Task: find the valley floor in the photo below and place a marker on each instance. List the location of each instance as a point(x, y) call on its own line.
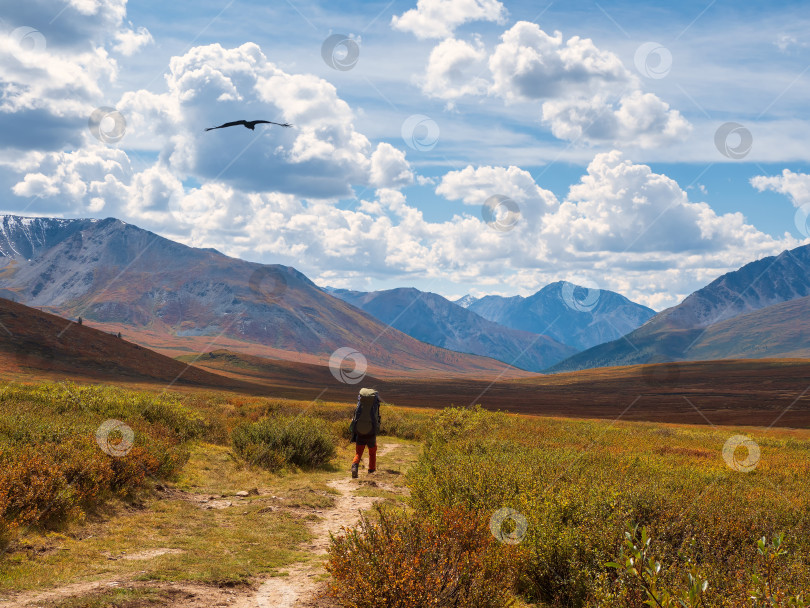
point(195, 543)
point(183, 520)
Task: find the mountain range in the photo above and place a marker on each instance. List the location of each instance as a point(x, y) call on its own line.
point(577, 316)
point(433, 319)
point(39, 345)
point(179, 299)
point(757, 311)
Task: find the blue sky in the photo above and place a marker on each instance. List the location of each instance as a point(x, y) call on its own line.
point(598, 119)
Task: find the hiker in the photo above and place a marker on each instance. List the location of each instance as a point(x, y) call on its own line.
point(365, 427)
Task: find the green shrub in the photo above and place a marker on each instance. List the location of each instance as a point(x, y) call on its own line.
point(276, 441)
point(459, 422)
point(183, 422)
point(644, 580)
point(406, 425)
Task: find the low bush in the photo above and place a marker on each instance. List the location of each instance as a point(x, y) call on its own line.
point(276, 441)
point(403, 560)
point(644, 581)
point(52, 470)
point(579, 484)
point(404, 424)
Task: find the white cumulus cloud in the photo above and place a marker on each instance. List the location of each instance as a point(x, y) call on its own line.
point(474, 186)
point(639, 119)
point(389, 169)
point(621, 207)
point(52, 78)
point(796, 186)
point(322, 155)
point(439, 18)
point(456, 68)
point(585, 93)
point(531, 64)
point(131, 41)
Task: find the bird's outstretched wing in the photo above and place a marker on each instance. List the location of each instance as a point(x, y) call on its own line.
point(227, 124)
point(270, 122)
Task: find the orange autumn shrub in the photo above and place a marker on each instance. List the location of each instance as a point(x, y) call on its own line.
point(52, 469)
point(49, 484)
point(31, 490)
point(403, 560)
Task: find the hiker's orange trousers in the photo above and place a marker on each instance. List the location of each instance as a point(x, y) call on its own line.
point(372, 456)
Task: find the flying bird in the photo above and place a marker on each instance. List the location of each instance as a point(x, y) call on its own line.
point(250, 124)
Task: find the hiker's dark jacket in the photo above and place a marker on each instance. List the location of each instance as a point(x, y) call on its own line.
point(366, 420)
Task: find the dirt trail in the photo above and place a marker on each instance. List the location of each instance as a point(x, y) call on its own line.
point(299, 586)
point(298, 589)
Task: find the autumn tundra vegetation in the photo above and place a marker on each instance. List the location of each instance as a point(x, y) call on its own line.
point(597, 513)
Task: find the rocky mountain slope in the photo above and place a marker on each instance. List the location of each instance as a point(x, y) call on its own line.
point(714, 321)
point(162, 291)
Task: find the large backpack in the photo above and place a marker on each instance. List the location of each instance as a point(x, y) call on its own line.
point(364, 423)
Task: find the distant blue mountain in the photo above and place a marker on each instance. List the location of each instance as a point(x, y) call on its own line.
point(572, 315)
point(433, 319)
point(465, 301)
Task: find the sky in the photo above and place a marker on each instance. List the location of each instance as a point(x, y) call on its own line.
point(456, 146)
